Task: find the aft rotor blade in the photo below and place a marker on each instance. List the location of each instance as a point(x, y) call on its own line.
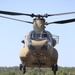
point(16, 19)
point(61, 14)
point(62, 21)
point(15, 13)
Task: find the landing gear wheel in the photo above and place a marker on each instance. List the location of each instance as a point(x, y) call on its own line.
point(21, 66)
point(54, 68)
point(24, 69)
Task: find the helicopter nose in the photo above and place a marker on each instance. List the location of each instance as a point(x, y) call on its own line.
point(39, 43)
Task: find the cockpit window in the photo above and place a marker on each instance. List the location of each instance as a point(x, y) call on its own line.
point(33, 36)
point(38, 35)
point(44, 35)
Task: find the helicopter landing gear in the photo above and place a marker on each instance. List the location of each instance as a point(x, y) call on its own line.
point(23, 68)
point(20, 67)
point(54, 68)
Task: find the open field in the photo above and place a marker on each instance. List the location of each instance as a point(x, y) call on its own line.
point(30, 71)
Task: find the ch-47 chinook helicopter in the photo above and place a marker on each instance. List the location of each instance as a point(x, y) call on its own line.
point(38, 49)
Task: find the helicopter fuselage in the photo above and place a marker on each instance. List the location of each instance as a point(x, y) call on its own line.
point(38, 48)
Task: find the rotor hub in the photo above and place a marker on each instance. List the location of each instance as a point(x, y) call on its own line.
point(39, 24)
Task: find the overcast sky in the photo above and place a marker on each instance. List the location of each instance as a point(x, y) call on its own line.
point(12, 32)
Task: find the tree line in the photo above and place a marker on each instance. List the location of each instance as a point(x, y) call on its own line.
point(36, 71)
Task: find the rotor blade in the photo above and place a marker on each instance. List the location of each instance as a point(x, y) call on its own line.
point(61, 14)
point(62, 21)
point(15, 13)
point(16, 19)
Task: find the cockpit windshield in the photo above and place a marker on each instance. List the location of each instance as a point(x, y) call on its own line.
point(38, 35)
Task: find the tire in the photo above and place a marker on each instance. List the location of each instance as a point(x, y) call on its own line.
point(21, 66)
point(24, 69)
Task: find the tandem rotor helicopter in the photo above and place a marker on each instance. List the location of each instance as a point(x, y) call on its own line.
point(38, 49)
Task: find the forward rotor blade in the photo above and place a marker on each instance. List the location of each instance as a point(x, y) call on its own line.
point(61, 14)
point(16, 19)
point(62, 21)
point(15, 13)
